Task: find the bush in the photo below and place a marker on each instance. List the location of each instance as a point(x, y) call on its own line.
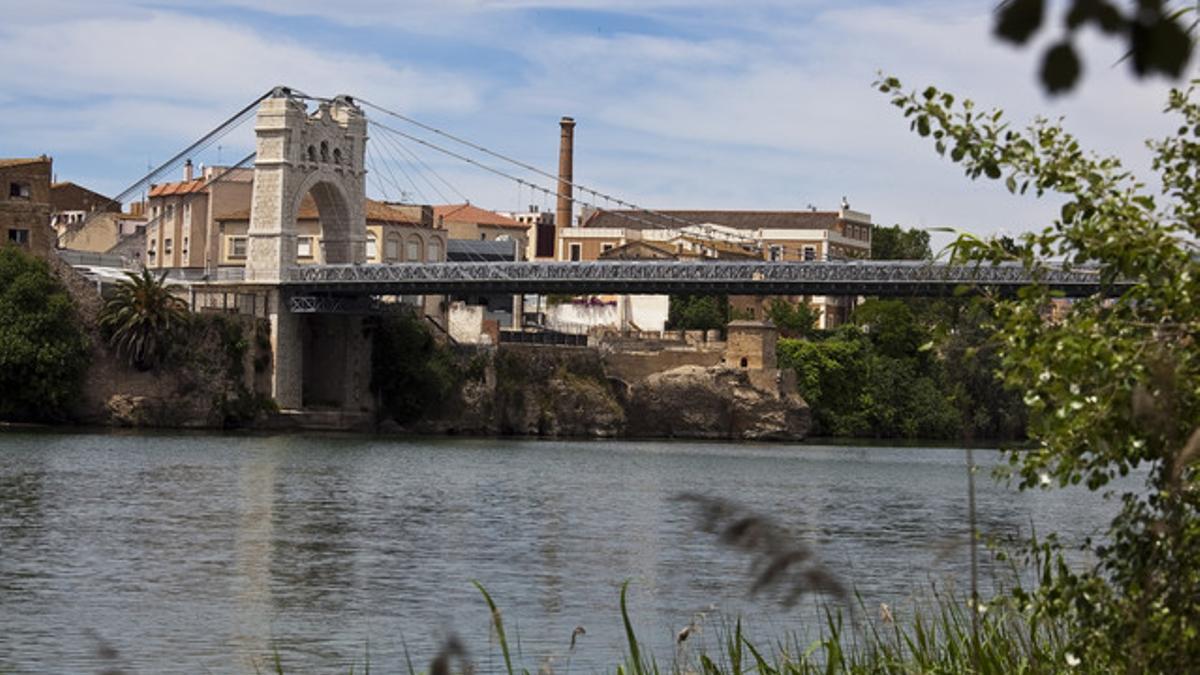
point(410, 372)
point(43, 348)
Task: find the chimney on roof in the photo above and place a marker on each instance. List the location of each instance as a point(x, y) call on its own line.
point(187, 170)
point(566, 160)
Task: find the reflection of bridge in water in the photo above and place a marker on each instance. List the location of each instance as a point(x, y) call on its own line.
point(318, 288)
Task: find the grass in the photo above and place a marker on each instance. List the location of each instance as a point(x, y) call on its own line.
point(937, 638)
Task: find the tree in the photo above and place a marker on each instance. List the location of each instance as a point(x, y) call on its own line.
point(794, 320)
point(1112, 386)
point(142, 318)
point(1155, 36)
point(410, 372)
point(896, 243)
point(698, 312)
point(43, 349)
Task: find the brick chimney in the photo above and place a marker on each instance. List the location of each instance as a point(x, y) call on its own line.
point(187, 170)
point(566, 160)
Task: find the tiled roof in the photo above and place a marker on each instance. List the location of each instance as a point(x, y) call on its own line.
point(377, 212)
point(21, 161)
point(742, 220)
point(466, 213)
point(186, 187)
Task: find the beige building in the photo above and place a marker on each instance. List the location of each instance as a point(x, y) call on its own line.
point(395, 233)
point(101, 232)
point(25, 204)
point(71, 204)
point(785, 236)
point(182, 230)
point(464, 221)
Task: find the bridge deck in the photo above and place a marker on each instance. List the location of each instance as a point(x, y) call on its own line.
point(883, 278)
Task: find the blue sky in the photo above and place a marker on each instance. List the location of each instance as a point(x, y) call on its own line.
point(702, 104)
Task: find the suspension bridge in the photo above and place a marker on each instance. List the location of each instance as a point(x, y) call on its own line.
point(313, 309)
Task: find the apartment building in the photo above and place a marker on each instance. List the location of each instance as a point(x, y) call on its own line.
point(183, 228)
point(781, 236)
point(25, 204)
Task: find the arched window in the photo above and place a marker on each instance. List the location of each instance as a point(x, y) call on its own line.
point(372, 246)
point(324, 151)
point(312, 153)
point(744, 362)
point(433, 251)
point(413, 249)
point(392, 248)
point(337, 155)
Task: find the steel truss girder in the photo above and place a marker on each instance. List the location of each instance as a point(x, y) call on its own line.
point(654, 277)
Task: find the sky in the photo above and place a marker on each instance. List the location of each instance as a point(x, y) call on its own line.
point(756, 104)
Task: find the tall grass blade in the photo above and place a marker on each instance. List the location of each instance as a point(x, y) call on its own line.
point(499, 624)
point(635, 653)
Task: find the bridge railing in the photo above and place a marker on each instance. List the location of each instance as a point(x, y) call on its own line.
point(849, 278)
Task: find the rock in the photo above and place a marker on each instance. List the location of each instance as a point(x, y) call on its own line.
point(718, 402)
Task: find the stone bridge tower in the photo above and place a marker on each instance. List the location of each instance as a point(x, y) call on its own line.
point(319, 361)
point(299, 154)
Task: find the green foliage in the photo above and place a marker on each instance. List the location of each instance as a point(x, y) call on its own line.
point(1158, 38)
point(896, 243)
point(794, 320)
point(43, 348)
point(1112, 386)
point(410, 372)
point(896, 372)
point(698, 312)
point(142, 319)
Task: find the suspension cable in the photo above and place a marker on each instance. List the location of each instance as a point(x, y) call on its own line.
point(528, 167)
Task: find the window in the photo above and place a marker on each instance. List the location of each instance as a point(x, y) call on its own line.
point(237, 247)
point(810, 253)
point(372, 247)
point(434, 251)
point(744, 362)
point(391, 249)
point(337, 155)
point(776, 253)
point(576, 252)
point(312, 153)
point(412, 249)
point(482, 237)
point(304, 247)
point(18, 190)
point(324, 151)
point(606, 247)
point(167, 246)
point(185, 247)
point(19, 236)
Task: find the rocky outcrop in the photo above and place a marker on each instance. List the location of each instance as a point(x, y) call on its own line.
point(718, 402)
point(533, 392)
point(569, 393)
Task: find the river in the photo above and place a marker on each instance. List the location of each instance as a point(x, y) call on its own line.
point(170, 552)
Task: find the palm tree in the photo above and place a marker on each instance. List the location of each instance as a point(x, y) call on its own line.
point(142, 317)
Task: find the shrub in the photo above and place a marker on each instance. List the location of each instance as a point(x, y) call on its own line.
point(43, 348)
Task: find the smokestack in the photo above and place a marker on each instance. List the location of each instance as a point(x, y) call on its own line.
point(187, 170)
point(566, 157)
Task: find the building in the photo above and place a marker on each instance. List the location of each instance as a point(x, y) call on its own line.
point(102, 231)
point(395, 233)
point(539, 227)
point(791, 236)
point(183, 229)
point(467, 222)
point(25, 204)
point(71, 204)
